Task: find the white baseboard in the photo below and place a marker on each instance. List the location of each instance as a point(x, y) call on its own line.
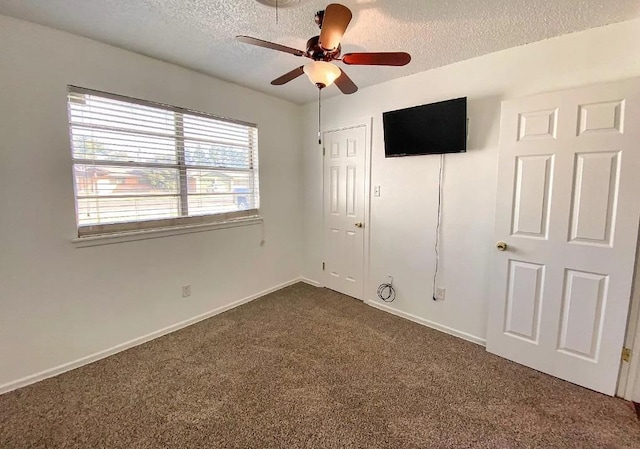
point(311, 282)
point(431, 324)
point(51, 372)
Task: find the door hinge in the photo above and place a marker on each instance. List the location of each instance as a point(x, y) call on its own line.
point(626, 354)
point(323, 151)
point(322, 266)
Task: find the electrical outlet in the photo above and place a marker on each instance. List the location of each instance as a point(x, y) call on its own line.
point(186, 291)
point(376, 191)
point(440, 293)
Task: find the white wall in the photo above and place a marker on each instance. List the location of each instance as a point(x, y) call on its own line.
point(59, 303)
point(404, 217)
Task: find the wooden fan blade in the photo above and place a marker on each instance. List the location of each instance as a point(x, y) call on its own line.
point(345, 84)
point(288, 76)
point(334, 24)
point(267, 44)
point(391, 58)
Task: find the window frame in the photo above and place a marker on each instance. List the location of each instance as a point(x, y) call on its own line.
point(184, 221)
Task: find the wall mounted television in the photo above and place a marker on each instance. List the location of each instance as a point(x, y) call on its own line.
point(434, 128)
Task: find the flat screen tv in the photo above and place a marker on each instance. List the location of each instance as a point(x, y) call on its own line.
point(428, 129)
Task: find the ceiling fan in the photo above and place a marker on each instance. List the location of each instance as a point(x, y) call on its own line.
point(325, 48)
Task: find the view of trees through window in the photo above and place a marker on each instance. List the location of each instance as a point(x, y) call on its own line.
point(134, 162)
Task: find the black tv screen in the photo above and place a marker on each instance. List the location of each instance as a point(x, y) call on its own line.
point(428, 129)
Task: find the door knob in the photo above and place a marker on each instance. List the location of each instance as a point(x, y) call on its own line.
point(502, 246)
point(359, 225)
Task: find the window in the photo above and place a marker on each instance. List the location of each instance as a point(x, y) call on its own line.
point(142, 165)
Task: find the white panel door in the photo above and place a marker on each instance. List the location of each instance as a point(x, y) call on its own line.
point(344, 196)
point(568, 206)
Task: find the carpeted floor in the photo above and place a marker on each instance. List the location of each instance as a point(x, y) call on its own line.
point(309, 368)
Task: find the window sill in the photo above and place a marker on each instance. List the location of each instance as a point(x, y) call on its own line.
point(130, 236)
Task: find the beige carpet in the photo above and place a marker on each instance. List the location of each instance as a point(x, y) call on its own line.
point(309, 368)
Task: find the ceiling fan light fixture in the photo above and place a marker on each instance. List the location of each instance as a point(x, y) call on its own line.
point(322, 73)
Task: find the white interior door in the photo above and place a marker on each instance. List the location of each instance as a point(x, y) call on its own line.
point(568, 205)
point(344, 207)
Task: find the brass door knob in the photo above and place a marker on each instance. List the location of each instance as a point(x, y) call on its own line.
point(359, 225)
point(502, 246)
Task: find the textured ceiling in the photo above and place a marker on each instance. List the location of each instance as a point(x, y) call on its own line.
point(199, 34)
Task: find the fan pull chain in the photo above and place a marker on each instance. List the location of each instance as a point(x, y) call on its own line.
point(319, 111)
point(276, 12)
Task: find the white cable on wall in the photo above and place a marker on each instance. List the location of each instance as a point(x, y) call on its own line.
point(437, 239)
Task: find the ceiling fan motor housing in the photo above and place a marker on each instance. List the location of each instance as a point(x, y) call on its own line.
point(317, 53)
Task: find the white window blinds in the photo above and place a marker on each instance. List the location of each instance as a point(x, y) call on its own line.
point(140, 165)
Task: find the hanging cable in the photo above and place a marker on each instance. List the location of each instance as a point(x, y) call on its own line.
point(386, 292)
point(437, 240)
